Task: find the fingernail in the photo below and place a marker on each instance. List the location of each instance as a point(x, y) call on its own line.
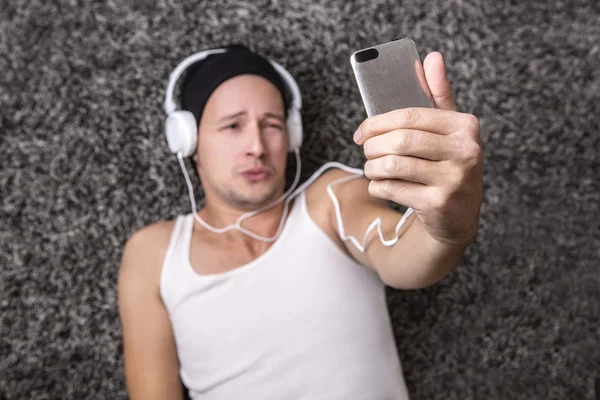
point(357, 135)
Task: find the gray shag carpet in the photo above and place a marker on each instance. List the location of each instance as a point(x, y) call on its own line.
point(84, 164)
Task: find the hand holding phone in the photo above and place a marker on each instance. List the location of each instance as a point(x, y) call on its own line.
point(421, 152)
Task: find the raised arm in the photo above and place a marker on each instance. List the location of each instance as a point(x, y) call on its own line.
point(429, 159)
point(151, 365)
point(414, 262)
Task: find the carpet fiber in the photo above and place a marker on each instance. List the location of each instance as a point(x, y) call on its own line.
point(84, 164)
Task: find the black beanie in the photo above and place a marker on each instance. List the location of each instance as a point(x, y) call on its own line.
point(205, 76)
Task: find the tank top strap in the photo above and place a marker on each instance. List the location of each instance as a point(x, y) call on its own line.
point(175, 256)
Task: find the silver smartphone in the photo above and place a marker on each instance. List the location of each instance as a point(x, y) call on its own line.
point(391, 76)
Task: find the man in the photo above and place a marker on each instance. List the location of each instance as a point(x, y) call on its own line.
point(303, 317)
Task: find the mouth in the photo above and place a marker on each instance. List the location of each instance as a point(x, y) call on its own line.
point(256, 174)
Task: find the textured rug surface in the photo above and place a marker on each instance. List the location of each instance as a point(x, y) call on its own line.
point(84, 164)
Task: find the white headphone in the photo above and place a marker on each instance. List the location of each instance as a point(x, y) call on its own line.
point(181, 127)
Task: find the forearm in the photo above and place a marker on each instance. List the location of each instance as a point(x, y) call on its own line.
point(417, 260)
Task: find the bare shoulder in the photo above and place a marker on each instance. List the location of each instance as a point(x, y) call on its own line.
point(316, 194)
point(144, 252)
point(320, 206)
point(154, 232)
point(317, 200)
point(151, 238)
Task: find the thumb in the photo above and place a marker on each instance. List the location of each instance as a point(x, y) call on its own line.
point(435, 73)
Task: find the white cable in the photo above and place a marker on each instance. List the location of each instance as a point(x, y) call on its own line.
point(289, 195)
point(376, 222)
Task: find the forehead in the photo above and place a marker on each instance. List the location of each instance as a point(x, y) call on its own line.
point(243, 91)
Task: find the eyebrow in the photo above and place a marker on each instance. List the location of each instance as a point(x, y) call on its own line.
point(276, 116)
point(231, 116)
point(268, 114)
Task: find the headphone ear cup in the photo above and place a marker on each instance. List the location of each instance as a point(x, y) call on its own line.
point(182, 132)
point(294, 127)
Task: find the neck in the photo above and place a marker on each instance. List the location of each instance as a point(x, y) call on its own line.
point(264, 224)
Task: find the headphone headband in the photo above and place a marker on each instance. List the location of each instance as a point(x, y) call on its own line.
point(181, 126)
point(291, 84)
point(169, 104)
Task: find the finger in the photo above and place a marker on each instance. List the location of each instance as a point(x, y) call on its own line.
point(408, 194)
point(410, 142)
point(410, 169)
point(443, 122)
point(437, 80)
point(422, 80)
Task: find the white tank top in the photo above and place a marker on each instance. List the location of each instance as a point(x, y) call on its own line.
point(302, 321)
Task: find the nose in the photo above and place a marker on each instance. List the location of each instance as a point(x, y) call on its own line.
point(256, 146)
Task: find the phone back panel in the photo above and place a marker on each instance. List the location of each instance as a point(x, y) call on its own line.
point(393, 79)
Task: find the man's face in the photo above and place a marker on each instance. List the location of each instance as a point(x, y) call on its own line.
point(242, 143)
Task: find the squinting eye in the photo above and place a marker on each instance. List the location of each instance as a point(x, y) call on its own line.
point(232, 126)
point(275, 126)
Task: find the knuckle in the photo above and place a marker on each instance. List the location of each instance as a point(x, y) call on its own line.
point(471, 152)
point(472, 121)
point(456, 179)
point(390, 164)
point(407, 117)
point(401, 142)
point(438, 202)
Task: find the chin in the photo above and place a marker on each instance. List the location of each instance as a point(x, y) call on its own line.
point(258, 197)
point(263, 199)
